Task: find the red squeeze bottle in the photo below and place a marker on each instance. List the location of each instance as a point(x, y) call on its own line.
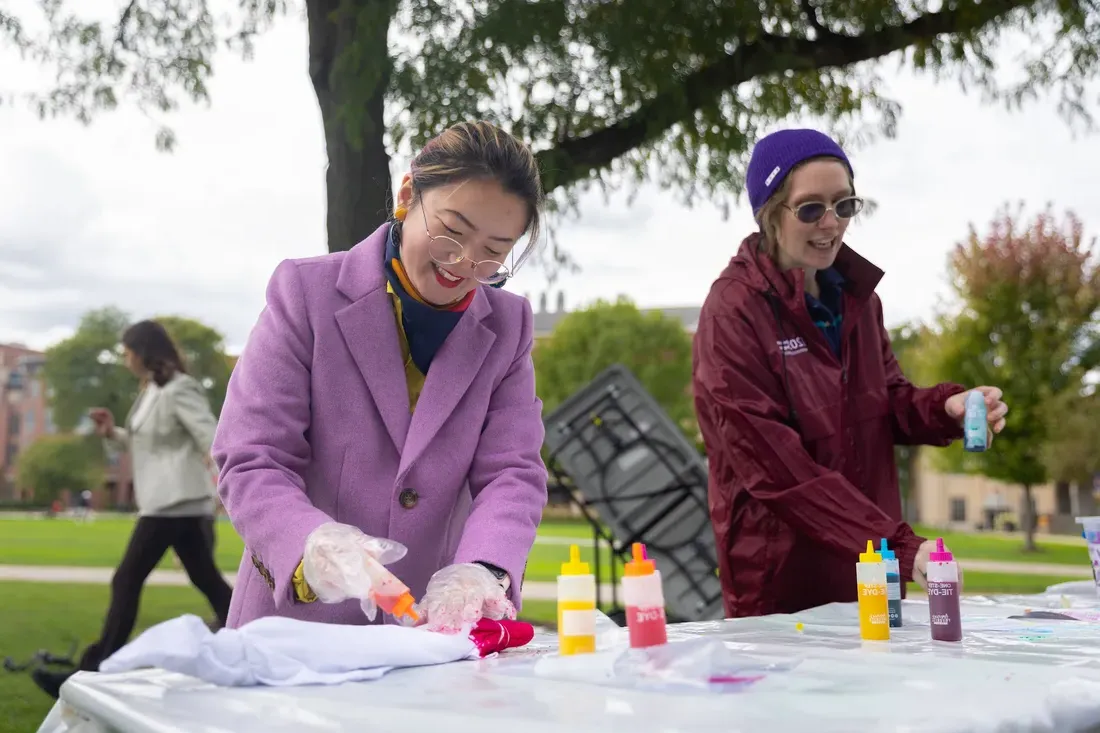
point(645, 601)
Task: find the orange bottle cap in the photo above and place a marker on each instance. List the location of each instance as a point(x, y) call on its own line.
point(404, 607)
point(641, 564)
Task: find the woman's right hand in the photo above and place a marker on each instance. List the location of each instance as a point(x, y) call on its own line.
point(920, 564)
point(334, 563)
point(104, 421)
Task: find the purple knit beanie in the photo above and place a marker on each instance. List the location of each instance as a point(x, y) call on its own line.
point(775, 155)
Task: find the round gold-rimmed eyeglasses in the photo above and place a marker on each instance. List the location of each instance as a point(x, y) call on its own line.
point(445, 251)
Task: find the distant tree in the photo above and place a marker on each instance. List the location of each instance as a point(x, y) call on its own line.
point(54, 463)
point(1030, 324)
point(655, 347)
point(906, 340)
point(1073, 453)
point(675, 90)
point(86, 370)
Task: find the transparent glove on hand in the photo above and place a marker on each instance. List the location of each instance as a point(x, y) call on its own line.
point(459, 595)
point(334, 563)
point(920, 565)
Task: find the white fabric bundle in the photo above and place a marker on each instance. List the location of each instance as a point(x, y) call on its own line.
point(277, 651)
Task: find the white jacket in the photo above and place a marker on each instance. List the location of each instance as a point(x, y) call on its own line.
point(169, 443)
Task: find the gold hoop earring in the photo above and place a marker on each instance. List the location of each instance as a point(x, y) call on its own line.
point(400, 213)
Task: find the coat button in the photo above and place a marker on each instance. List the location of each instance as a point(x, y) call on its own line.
point(408, 498)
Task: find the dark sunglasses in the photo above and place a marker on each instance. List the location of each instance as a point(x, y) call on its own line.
point(814, 211)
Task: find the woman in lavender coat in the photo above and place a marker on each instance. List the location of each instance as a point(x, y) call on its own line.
point(385, 405)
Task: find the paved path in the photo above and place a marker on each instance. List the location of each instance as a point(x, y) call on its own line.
point(533, 590)
point(552, 540)
point(1026, 568)
point(583, 537)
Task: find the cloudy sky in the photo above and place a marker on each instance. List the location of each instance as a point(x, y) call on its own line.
point(92, 216)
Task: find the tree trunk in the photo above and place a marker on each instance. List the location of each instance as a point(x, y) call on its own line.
point(358, 180)
point(907, 457)
point(914, 485)
point(1028, 520)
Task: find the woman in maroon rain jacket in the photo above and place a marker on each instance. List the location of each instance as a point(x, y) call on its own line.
point(799, 397)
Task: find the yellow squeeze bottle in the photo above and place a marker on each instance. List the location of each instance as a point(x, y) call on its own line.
point(874, 612)
point(576, 606)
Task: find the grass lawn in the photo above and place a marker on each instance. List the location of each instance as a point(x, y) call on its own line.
point(979, 546)
point(101, 543)
point(988, 583)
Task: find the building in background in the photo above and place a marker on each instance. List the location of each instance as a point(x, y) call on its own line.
point(546, 320)
point(963, 502)
point(25, 417)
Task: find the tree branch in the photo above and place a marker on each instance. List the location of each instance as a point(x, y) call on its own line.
point(123, 20)
point(810, 12)
point(576, 159)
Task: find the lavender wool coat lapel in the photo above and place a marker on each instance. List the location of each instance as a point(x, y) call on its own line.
point(316, 428)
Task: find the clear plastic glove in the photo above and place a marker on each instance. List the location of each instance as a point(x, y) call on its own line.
point(459, 595)
point(920, 564)
point(334, 563)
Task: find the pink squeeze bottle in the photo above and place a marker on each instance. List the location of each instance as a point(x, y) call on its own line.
point(944, 614)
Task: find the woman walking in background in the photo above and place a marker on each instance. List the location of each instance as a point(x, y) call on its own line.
point(168, 433)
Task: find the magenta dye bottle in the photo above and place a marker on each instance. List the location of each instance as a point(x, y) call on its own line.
point(944, 614)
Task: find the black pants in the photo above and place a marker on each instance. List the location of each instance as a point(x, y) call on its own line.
point(193, 540)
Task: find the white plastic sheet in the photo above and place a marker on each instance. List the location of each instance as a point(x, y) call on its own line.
point(1007, 675)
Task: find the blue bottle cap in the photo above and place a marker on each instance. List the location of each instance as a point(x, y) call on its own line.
point(886, 554)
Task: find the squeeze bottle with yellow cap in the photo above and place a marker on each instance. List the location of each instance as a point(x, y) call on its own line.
point(576, 606)
point(645, 601)
point(391, 595)
point(874, 613)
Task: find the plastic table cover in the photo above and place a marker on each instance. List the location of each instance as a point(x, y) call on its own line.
point(1008, 674)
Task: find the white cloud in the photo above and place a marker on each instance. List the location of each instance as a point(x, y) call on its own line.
point(95, 216)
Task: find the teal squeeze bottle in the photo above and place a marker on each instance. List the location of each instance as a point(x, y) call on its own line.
point(893, 584)
point(974, 423)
